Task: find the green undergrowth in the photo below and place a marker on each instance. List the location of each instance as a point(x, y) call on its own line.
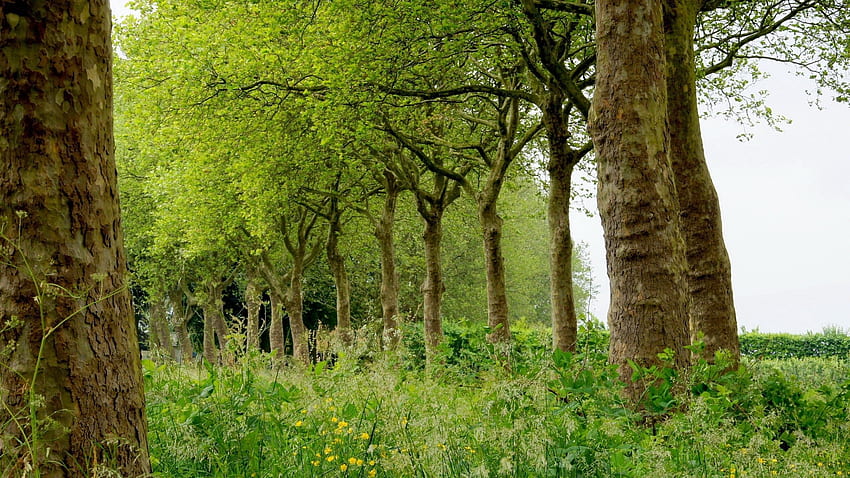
point(558, 416)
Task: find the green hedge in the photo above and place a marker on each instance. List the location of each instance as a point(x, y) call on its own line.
point(782, 346)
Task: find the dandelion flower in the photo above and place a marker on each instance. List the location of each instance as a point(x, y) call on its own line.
point(372, 473)
point(352, 461)
point(364, 436)
point(343, 467)
point(299, 423)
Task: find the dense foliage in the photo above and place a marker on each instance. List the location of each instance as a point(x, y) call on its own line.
point(779, 346)
point(376, 416)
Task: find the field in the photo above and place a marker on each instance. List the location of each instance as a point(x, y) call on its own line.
point(383, 415)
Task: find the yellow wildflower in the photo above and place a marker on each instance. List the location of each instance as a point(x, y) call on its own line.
point(331, 458)
point(315, 462)
point(343, 467)
point(372, 473)
point(299, 423)
point(342, 424)
point(328, 450)
point(364, 436)
point(334, 419)
point(352, 460)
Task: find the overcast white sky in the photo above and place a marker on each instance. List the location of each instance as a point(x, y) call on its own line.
point(785, 199)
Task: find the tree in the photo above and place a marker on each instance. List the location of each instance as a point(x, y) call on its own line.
point(71, 378)
point(637, 193)
point(711, 309)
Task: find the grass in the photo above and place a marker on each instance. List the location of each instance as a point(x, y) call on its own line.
point(560, 417)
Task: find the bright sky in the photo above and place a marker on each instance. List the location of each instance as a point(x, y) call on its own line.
point(786, 213)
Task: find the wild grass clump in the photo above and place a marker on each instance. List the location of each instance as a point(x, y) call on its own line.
point(558, 416)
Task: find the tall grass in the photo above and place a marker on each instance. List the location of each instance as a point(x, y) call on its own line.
point(553, 418)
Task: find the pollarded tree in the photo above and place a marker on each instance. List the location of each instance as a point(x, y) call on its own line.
point(71, 378)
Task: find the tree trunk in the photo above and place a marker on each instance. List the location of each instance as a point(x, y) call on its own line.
point(253, 302)
point(433, 287)
point(712, 309)
point(276, 336)
point(160, 335)
point(336, 262)
point(210, 352)
point(391, 335)
point(72, 355)
point(182, 315)
point(562, 160)
point(637, 195)
point(295, 310)
point(497, 298)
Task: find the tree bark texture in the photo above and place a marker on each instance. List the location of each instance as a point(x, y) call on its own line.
point(433, 286)
point(636, 192)
point(391, 334)
point(497, 297)
point(61, 242)
point(336, 263)
point(562, 160)
point(712, 308)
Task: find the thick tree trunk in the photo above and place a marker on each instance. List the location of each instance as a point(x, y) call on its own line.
point(712, 309)
point(276, 332)
point(253, 302)
point(391, 335)
point(336, 262)
point(433, 287)
point(62, 263)
point(497, 297)
point(637, 194)
point(562, 160)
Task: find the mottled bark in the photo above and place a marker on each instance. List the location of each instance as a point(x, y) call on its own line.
point(391, 335)
point(494, 263)
point(712, 309)
point(562, 160)
point(61, 242)
point(336, 263)
point(433, 286)
point(636, 193)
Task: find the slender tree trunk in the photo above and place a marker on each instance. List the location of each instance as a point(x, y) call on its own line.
point(336, 262)
point(637, 194)
point(391, 335)
point(497, 297)
point(295, 310)
point(210, 352)
point(253, 302)
point(182, 315)
point(433, 287)
point(562, 160)
point(276, 336)
point(712, 309)
point(160, 335)
point(75, 346)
